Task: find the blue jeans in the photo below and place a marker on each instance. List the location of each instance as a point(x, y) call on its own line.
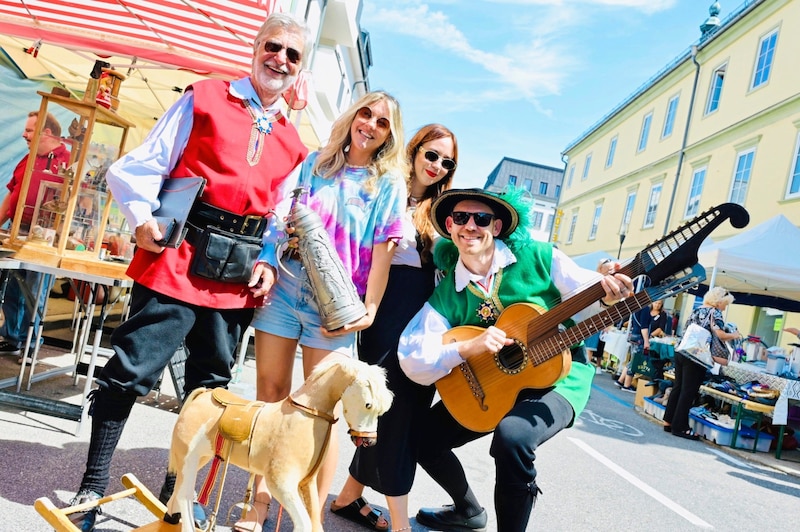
point(18, 315)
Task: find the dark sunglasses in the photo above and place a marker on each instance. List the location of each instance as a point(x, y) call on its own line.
point(482, 219)
point(365, 113)
point(292, 55)
point(432, 156)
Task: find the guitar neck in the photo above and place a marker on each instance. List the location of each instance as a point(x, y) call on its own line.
point(546, 348)
point(659, 260)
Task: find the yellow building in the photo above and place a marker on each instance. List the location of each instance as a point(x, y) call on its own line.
point(721, 123)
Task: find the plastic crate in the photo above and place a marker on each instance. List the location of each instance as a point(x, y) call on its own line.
point(654, 409)
point(723, 435)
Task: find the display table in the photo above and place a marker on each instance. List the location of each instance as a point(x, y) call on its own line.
point(742, 408)
point(743, 372)
point(113, 275)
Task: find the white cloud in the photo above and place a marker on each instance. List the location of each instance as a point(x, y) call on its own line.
point(531, 66)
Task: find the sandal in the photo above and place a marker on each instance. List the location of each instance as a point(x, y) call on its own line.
point(254, 519)
point(352, 512)
point(686, 435)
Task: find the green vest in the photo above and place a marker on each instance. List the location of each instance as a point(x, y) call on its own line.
point(526, 281)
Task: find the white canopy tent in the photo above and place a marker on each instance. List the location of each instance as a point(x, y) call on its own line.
point(763, 260)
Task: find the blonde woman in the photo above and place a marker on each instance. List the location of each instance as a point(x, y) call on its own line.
point(689, 376)
point(355, 183)
point(389, 466)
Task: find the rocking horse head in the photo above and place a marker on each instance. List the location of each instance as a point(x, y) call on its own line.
point(364, 401)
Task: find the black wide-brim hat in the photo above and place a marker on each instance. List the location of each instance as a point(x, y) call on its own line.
point(446, 202)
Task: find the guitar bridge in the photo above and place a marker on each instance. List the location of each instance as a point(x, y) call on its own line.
point(474, 385)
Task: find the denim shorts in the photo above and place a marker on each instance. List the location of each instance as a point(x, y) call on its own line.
point(290, 311)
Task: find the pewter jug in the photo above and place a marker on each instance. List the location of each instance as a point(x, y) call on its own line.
point(334, 291)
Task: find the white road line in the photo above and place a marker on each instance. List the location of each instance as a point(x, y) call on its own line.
point(655, 494)
point(732, 460)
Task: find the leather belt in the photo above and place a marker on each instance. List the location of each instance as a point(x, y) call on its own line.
point(205, 215)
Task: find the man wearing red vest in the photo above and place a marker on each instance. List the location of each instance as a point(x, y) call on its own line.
point(234, 135)
point(50, 154)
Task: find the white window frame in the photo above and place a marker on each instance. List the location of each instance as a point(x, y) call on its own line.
point(764, 59)
point(794, 173)
point(598, 211)
point(536, 220)
point(652, 205)
point(740, 181)
point(669, 117)
point(612, 149)
point(627, 214)
point(644, 133)
point(572, 224)
point(695, 192)
point(714, 95)
point(570, 176)
point(586, 165)
point(527, 184)
point(543, 188)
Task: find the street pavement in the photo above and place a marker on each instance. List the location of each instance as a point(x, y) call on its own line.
point(615, 470)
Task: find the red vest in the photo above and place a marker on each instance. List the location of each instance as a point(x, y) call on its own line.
point(60, 155)
point(217, 150)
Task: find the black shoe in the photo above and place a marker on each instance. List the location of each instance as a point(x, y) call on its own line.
point(85, 520)
point(446, 518)
point(7, 348)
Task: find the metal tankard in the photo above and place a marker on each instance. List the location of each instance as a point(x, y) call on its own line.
point(334, 291)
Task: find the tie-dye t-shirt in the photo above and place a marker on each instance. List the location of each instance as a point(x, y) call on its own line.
point(354, 218)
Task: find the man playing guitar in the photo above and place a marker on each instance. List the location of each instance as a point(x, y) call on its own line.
point(497, 266)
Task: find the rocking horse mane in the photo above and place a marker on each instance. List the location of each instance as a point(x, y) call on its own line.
point(374, 376)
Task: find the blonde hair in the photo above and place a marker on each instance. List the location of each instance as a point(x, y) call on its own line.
point(388, 159)
point(717, 295)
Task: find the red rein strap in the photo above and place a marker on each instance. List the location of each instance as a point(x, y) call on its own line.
point(211, 478)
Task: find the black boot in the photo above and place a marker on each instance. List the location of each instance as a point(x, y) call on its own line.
point(198, 512)
point(109, 412)
point(514, 508)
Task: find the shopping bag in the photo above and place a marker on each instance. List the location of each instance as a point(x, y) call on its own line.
point(695, 345)
point(641, 365)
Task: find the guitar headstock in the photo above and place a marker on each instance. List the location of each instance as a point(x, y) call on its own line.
point(676, 283)
point(678, 250)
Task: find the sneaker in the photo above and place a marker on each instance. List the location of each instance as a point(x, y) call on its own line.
point(85, 520)
point(618, 384)
point(630, 389)
point(7, 348)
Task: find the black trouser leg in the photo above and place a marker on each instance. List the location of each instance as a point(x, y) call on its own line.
point(109, 411)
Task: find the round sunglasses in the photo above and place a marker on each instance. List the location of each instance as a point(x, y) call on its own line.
point(482, 219)
point(432, 156)
point(292, 55)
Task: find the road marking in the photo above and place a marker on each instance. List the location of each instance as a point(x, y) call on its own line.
point(732, 460)
point(611, 396)
point(655, 494)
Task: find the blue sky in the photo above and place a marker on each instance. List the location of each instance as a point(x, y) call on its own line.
point(521, 78)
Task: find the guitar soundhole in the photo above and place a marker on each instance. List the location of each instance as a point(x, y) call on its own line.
point(512, 358)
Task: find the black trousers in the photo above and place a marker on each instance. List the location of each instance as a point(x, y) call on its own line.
point(688, 379)
point(143, 346)
point(537, 416)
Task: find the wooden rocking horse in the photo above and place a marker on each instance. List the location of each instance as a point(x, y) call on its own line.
point(284, 442)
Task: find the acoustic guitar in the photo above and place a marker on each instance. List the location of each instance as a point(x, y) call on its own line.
point(479, 392)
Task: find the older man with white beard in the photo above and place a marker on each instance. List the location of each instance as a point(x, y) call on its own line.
point(234, 135)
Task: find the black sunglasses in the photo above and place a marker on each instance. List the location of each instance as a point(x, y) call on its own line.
point(432, 156)
point(482, 219)
point(292, 55)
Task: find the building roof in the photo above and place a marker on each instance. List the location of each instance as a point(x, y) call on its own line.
point(686, 55)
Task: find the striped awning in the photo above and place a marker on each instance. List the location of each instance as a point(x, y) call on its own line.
point(205, 36)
